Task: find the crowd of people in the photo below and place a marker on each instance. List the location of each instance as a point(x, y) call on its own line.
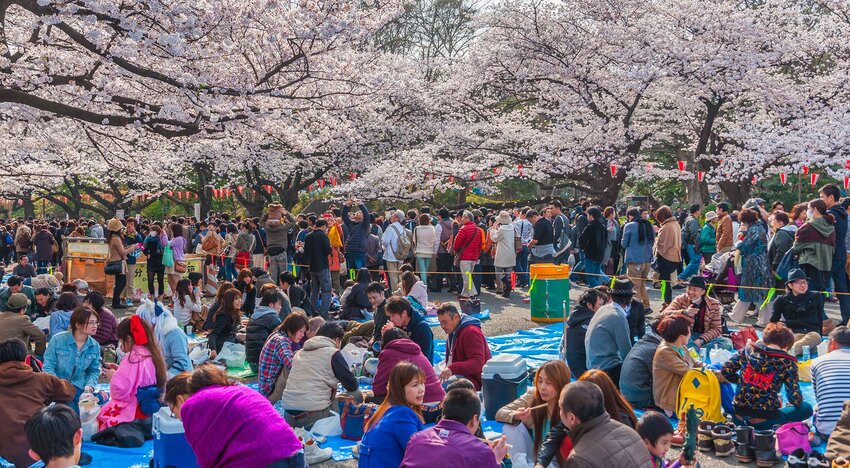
point(294, 290)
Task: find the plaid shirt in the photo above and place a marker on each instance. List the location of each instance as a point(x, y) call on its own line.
point(276, 354)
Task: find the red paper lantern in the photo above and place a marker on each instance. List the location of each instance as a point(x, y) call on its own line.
point(310, 188)
point(170, 193)
point(333, 181)
point(241, 189)
point(755, 180)
point(65, 199)
point(783, 178)
point(814, 178)
point(179, 195)
point(847, 164)
point(451, 179)
point(613, 170)
point(846, 182)
point(497, 170)
point(353, 175)
point(269, 188)
point(681, 165)
point(321, 183)
point(519, 166)
point(196, 195)
point(805, 169)
point(700, 176)
point(473, 175)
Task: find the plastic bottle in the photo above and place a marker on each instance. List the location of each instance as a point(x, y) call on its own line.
point(703, 355)
point(807, 354)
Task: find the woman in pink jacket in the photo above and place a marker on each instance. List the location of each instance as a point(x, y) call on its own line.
point(142, 366)
point(396, 347)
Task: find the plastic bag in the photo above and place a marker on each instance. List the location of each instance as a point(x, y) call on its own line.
point(719, 355)
point(823, 348)
point(43, 323)
point(168, 256)
point(353, 354)
point(329, 427)
point(233, 354)
point(89, 411)
point(199, 355)
point(804, 371)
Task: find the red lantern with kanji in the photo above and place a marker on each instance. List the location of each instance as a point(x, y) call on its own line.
point(700, 176)
point(681, 165)
point(613, 170)
point(783, 178)
point(814, 178)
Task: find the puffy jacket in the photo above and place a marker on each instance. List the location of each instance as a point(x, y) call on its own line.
point(802, 314)
point(636, 374)
point(593, 240)
point(406, 350)
point(357, 232)
point(707, 239)
point(840, 215)
point(603, 441)
point(311, 383)
point(469, 239)
point(668, 243)
point(384, 443)
point(262, 323)
point(467, 350)
point(420, 333)
point(690, 232)
point(779, 244)
point(575, 351)
point(815, 244)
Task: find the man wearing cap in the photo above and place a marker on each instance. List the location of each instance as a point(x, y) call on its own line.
point(14, 324)
point(704, 311)
point(708, 237)
point(16, 285)
point(690, 242)
point(608, 338)
point(801, 310)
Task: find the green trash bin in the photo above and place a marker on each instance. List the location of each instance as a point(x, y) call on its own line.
point(551, 287)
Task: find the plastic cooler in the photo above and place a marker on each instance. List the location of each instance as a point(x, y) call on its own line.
point(551, 288)
point(170, 448)
point(504, 379)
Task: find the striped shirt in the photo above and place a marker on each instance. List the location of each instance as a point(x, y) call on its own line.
point(831, 382)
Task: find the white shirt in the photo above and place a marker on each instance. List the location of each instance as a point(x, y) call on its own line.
point(524, 229)
point(390, 241)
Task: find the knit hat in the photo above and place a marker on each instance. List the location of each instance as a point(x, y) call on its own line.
point(17, 301)
point(794, 275)
point(697, 282)
point(622, 287)
point(114, 225)
point(81, 284)
point(711, 215)
point(504, 217)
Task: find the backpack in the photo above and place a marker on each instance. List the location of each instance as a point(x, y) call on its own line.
point(700, 389)
point(405, 244)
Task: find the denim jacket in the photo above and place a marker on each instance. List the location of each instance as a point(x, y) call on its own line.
point(64, 361)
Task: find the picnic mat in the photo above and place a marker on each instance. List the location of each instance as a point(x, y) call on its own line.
point(537, 346)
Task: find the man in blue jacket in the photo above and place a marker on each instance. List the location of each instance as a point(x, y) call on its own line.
point(830, 194)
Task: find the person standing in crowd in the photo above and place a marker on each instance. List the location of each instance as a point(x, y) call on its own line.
point(43, 248)
point(453, 440)
point(131, 238)
point(74, 355)
point(391, 243)
point(542, 245)
point(608, 337)
point(316, 370)
point(503, 235)
point(708, 237)
point(524, 230)
point(317, 247)
point(667, 250)
point(118, 253)
point(781, 241)
point(593, 241)
point(244, 246)
point(14, 324)
point(562, 232)
point(153, 249)
point(830, 194)
point(690, 242)
point(244, 422)
point(526, 425)
point(23, 241)
point(277, 230)
point(358, 227)
point(467, 245)
point(637, 242)
point(24, 392)
point(466, 347)
point(766, 366)
point(755, 269)
point(258, 252)
point(425, 240)
point(801, 311)
point(705, 313)
point(178, 249)
point(443, 233)
point(724, 236)
point(831, 380)
point(229, 251)
point(814, 243)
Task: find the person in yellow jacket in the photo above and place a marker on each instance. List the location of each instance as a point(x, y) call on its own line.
point(334, 259)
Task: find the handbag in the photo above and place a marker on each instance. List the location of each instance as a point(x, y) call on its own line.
point(181, 267)
point(276, 250)
point(744, 334)
point(470, 305)
point(168, 256)
point(148, 397)
point(353, 418)
point(789, 262)
point(114, 268)
point(793, 436)
point(518, 239)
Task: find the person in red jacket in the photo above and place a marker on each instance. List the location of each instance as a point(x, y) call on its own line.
point(466, 347)
point(467, 244)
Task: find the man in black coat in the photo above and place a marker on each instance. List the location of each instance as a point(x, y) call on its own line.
point(317, 248)
point(262, 323)
point(593, 240)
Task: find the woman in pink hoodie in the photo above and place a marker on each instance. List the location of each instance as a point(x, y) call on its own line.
point(142, 366)
point(397, 347)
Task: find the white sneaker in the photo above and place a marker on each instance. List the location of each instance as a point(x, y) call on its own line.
point(314, 454)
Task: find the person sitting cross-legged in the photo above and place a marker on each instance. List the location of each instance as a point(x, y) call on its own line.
point(467, 349)
point(801, 310)
point(704, 311)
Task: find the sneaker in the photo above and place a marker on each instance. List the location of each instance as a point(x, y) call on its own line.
point(314, 454)
point(798, 459)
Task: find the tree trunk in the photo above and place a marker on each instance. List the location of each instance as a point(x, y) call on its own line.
point(737, 192)
point(29, 207)
point(461, 196)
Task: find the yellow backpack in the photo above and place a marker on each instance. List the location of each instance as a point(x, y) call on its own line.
point(701, 389)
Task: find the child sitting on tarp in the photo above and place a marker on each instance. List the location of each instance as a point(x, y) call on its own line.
point(142, 366)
